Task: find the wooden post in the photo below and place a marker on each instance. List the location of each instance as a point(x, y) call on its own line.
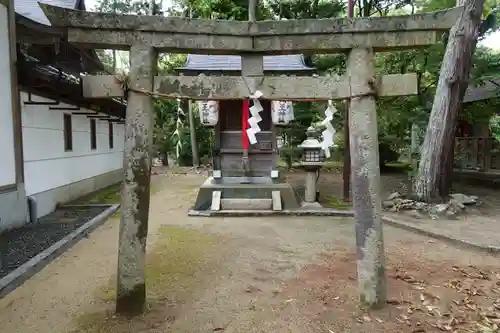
point(346, 170)
point(192, 135)
point(131, 289)
point(252, 9)
point(250, 66)
point(414, 145)
point(366, 179)
point(346, 177)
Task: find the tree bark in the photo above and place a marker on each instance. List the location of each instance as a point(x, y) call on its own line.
point(446, 181)
point(131, 288)
point(452, 84)
point(366, 192)
point(192, 135)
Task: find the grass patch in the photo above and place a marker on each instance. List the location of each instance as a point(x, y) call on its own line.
point(109, 196)
point(398, 164)
point(171, 271)
point(176, 256)
point(328, 165)
point(337, 203)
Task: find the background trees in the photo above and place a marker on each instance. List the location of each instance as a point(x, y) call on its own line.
point(396, 116)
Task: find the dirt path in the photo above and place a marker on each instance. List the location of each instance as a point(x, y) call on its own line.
point(287, 274)
point(57, 295)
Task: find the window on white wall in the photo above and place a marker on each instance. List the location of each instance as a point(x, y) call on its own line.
point(93, 134)
point(110, 135)
point(68, 133)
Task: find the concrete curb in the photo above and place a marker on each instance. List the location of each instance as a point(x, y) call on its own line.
point(250, 213)
point(457, 242)
point(17, 277)
point(84, 205)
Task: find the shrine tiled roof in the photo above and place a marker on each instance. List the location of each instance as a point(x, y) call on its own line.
point(31, 10)
point(285, 63)
point(488, 90)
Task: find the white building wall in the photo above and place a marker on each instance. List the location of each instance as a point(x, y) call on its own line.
point(53, 175)
point(13, 205)
point(7, 152)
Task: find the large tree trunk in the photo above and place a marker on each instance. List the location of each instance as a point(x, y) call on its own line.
point(452, 84)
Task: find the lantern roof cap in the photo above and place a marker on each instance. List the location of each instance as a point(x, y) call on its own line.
point(310, 143)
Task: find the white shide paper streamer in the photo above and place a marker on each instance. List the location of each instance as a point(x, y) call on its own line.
point(255, 118)
point(328, 134)
point(177, 133)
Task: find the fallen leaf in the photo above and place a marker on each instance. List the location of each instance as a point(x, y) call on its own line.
point(490, 314)
point(393, 302)
point(484, 329)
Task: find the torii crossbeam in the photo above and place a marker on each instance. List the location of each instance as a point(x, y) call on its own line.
point(183, 35)
point(146, 35)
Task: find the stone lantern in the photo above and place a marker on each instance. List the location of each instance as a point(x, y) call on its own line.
point(312, 160)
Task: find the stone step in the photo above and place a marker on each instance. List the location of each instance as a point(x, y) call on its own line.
point(246, 204)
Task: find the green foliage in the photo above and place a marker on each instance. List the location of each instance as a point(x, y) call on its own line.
point(300, 9)
point(218, 9)
point(495, 127)
point(290, 155)
point(168, 122)
point(395, 115)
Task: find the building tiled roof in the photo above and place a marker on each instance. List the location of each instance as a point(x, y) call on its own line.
point(490, 89)
point(31, 10)
point(199, 62)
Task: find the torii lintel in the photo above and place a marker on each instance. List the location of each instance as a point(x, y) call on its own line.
point(105, 30)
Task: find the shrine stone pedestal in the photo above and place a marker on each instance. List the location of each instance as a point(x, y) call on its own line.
point(262, 193)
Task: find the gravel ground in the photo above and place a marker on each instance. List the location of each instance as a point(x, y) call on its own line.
point(278, 274)
point(20, 245)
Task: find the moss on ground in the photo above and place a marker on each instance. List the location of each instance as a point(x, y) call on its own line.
point(109, 195)
point(337, 203)
point(172, 270)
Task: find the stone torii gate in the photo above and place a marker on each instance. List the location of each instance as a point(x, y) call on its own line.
point(146, 35)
